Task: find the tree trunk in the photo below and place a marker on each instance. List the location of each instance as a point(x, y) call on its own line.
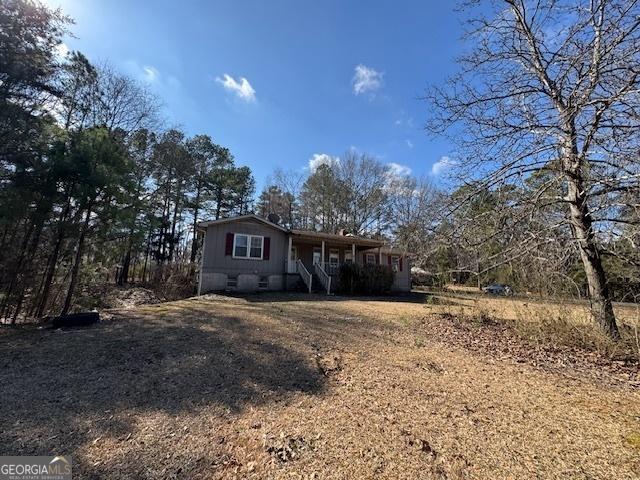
point(53, 260)
point(601, 306)
point(126, 261)
point(163, 229)
point(16, 273)
point(28, 268)
point(582, 229)
point(124, 273)
point(194, 241)
point(76, 263)
point(146, 257)
point(172, 244)
point(132, 278)
point(7, 241)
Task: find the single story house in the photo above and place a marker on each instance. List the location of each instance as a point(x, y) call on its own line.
point(249, 253)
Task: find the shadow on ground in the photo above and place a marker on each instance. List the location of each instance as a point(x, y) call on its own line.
point(409, 297)
point(58, 385)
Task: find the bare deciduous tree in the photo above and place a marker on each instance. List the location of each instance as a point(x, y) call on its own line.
point(416, 207)
point(364, 197)
point(552, 86)
point(123, 103)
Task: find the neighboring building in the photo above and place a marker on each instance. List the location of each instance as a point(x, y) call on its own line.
point(248, 253)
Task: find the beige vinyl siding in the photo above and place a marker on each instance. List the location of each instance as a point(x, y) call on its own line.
point(402, 279)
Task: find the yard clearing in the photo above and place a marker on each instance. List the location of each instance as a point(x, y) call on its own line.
point(300, 386)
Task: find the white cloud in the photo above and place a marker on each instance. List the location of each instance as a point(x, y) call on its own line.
point(150, 74)
point(322, 159)
point(409, 143)
point(242, 88)
point(398, 170)
point(396, 176)
point(441, 166)
point(366, 79)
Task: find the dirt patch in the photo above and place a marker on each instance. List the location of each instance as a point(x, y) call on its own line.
point(329, 364)
point(302, 386)
point(286, 448)
point(131, 297)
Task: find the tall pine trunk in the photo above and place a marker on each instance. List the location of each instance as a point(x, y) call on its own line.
point(77, 262)
point(124, 271)
point(28, 268)
point(174, 221)
point(53, 259)
point(166, 209)
point(16, 273)
point(146, 256)
point(126, 262)
point(196, 207)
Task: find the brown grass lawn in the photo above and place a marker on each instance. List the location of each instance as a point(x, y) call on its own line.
point(468, 300)
point(298, 386)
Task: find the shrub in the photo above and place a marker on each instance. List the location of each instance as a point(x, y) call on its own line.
point(365, 279)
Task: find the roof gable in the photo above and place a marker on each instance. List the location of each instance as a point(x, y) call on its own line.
point(240, 219)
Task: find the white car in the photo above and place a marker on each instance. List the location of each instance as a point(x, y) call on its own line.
point(498, 289)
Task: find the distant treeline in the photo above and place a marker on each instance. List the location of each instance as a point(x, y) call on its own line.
point(89, 179)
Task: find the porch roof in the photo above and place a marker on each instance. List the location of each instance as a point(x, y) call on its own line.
point(387, 250)
point(312, 236)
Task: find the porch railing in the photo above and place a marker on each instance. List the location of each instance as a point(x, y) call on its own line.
point(307, 278)
point(325, 278)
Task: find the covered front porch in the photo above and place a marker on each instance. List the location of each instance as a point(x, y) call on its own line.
point(321, 255)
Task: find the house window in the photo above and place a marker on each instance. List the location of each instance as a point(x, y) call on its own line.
point(348, 257)
point(370, 258)
point(240, 246)
point(248, 246)
point(395, 263)
point(256, 247)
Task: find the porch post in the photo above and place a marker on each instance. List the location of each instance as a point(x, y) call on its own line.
point(322, 255)
point(290, 268)
point(353, 253)
point(379, 255)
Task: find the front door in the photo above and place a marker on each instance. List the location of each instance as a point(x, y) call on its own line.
point(317, 255)
point(334, 261)
point(293, 257)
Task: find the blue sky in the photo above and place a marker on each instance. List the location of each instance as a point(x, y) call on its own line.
point(279, 82)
